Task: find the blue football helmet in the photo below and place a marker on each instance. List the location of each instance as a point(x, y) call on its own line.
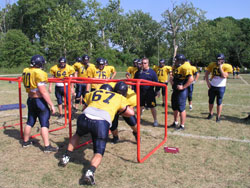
point(62, 62)
point(37, 61)
point(179, 60)
point(220, 57)
point(100, 63)
point(162, 63)
point(106, 87)
point(121, 88)
point(78, 59)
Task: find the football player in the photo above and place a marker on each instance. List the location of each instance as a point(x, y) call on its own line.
point(61, 70)
point(111, 73)
point(122, 88)
point(196, 75)
point(97, 117)
point(99, 71)
point(132, 69)
point(162, 72)
point(81, 67)
point(182, 78)
point(237, 72)
point(217, 84)
point(39, 102)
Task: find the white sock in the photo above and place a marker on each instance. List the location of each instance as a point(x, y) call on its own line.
point(176, 122)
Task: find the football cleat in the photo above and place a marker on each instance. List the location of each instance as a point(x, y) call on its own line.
point(89, 178)
point(64, 160)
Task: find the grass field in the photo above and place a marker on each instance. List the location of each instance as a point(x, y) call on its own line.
point(211, 154)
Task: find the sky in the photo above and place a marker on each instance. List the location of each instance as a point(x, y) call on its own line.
point(215, 8)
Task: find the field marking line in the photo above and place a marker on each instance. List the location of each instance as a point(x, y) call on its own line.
point(220, 138)
point(242, 79)
point(208, 137)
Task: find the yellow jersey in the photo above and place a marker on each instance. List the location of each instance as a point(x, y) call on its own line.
point(194, 70)
point(58, 72)
point(182, 72)
point(94, 72)
point(214, 68)
point(82, 69)
point(132, 71)
point(108, 101)
point(131, 95)
point(32, 77)
point(162, 72)
point(110, 70)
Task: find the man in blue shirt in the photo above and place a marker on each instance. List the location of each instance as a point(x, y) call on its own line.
point(147, 93)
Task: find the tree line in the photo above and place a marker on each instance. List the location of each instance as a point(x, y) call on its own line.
point(71, 28)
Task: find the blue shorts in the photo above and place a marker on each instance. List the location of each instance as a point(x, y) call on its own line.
point(59, 92)
point(148, 99)
point(178, 100)
point(216, 92)
point(131, 121)
point(38, 108)
point(80, 91)
point(99, 130)
point(163, 89)
point(190, 92)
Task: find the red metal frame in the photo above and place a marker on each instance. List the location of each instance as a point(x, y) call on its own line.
point(70, 80)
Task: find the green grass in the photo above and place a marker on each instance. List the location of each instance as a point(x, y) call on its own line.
point(211, 154)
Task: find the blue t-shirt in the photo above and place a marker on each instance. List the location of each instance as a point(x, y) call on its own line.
point(146, 75)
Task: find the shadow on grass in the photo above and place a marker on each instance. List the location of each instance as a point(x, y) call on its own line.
point(13, 133)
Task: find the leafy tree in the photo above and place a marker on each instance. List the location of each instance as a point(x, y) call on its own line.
point(180, 18)
point(15, 49)
point(62, 35)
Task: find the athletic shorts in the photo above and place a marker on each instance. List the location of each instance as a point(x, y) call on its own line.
point(59, 92)
point(217, 92)
point(178, 99)
point(80, 91)
point(148, 99)
point(38, 108)
point(99, 130)
point(190, 92)
point(131, 121)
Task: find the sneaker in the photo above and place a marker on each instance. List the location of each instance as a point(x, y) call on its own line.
point(64, 160)
point(115, 139)
point(173, 125)
point(89, 178)
point(210, 116)
point(180, 128)
point(155, 124)
point(27, 144)
point(49, 149)
point(135, 135)
point(74, 110)
point(217, 119)
point(60, 116)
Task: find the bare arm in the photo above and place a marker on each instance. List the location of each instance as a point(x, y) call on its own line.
point(114, 74)
point(127, 111)
point(223, 74)
point(207, 80)
point(42, 89)
point(189, 82)
point(127, 75)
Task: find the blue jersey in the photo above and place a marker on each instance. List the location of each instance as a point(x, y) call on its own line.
point(146, 75)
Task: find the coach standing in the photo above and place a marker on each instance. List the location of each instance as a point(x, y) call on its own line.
point(217, 85)
point(147, 93)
